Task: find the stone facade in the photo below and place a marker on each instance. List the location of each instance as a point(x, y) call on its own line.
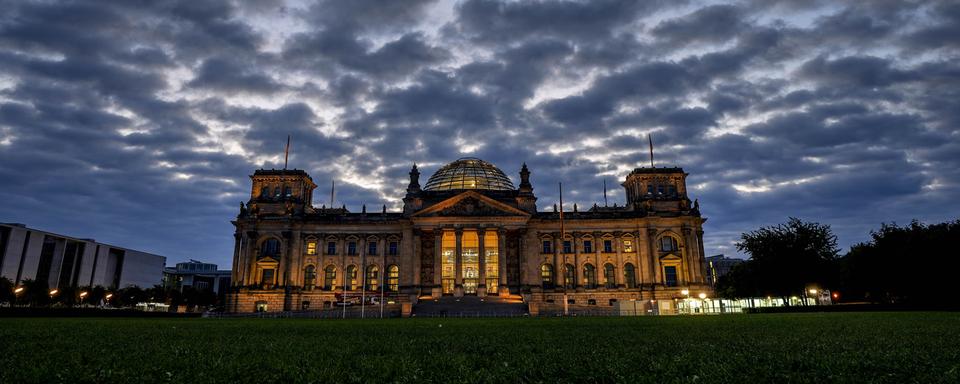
point(469, 232)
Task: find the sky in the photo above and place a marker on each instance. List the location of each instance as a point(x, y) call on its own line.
point(138, 123)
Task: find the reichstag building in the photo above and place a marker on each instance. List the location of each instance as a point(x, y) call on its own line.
point(467, 232)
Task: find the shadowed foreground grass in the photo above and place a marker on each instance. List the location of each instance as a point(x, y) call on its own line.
point(810, 348)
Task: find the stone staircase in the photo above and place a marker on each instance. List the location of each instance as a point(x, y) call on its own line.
point(470, 306)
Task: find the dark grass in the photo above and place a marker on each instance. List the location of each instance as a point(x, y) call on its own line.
point(903, 347)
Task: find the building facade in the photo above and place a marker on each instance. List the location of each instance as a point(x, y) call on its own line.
point(719, 265)
point(198, 275)
point(467, 231)
point(64, 261)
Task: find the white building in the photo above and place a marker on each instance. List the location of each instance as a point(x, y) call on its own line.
point(64, 261)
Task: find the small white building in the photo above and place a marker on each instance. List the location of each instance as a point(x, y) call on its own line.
point(65, 261)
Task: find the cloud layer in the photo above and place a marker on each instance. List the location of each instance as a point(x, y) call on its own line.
point(138, 123)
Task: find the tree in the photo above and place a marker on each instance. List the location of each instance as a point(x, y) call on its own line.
point(788, 258)
point(6, 290)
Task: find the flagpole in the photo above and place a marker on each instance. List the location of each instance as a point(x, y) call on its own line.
point(383, 274)
point(286, 153)
point(343, 297)
point(363, 286)
point(563, 269)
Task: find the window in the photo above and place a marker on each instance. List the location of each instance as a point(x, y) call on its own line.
point(668, 244)
point(670, 276)
point(660, 189)
point(270, 248)
point(587, 246)
point(309, 277)
point(287, 191)
point(628, 245)
point(372, 248)
point(546, 276)
point(393, 278)
point(373, 278)
point(671, 190)
point(311, 247)
point(352, 248)
point(331, 247)
point(608, 246)
point(567, 247)
point(330, 278)
point(630, 275)
point(609, 276)
point(265, 192)
point(589, 276)
point(547, 246)
point(569, 280)
point(394, 248)
point(266, 277)
point(649, 189)
point(351, 277)
point(276, 192)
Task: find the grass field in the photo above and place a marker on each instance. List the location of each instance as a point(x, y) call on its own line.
point(807, 348)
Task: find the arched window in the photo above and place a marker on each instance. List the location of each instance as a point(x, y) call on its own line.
point(569, 278)
point(330, 278)
point(668, 244)
point(270, 248)
point(589, 276)
point(264, 192)
point(609, 276)
point(352, 277)
point(546, 276)
point(393, 278)
point(373, 278)
point(309, 277)
point(630, 275)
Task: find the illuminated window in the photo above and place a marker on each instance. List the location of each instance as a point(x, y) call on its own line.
point(311, 247)
point(373, 278)
point(352, 277)
point(393, 248)
point(393, 278)
point(372, 248)
point(587, 246)
point(589, 276)
point(567, 247)
point(330, 278)
point(352, 248)
point(608, 246)
point(547, 246)
point(448, 261)
point(628, 245)
point(668, 244)
point(609, 276)
point(331, 247)
point(569, 278)
point(670, 276)
point(491, 261)
point(309, 277)
point(546, 276)
point(630, 275)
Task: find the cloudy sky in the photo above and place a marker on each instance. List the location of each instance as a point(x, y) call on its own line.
point(138, 122)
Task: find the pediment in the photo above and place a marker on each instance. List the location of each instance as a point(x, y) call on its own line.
point(470, 203)
point(670, 256)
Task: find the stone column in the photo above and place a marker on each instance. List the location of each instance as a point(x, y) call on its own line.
point(618, 263)
point(577, 238)
point(414, 264)
point(252, 252)
point(504, 289)
point(556, 258)
point(437, 265)
point(482, 284)
point(458, 281)
point(701, 255)
point(653, 267)
point(689, 255)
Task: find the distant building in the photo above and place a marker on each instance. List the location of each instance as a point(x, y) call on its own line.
point(719, 265)
point(197, 274)
point(64, 261)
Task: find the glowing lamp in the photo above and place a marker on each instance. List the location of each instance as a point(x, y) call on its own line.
point(18, 290)
point(685, 292)
point(703, 295)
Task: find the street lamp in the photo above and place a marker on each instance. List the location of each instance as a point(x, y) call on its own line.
point(82, 295)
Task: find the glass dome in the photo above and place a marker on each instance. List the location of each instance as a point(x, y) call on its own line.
point(469, 173)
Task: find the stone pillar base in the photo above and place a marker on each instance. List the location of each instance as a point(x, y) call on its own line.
point(503, 291)
point(406, 308)
point(458, 292)
point(481, 291)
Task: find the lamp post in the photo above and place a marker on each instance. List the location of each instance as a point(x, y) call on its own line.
point(82, 295)
point(16, 294)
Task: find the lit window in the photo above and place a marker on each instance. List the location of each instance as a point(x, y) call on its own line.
point(569, 280)
point(373, 278)
point(587, 246)
point(311, 247)
point(546, 276)
point(547, 246)
point(309, 277)
point(608, 246)
point(393, 278)
point(352, 277)
point(589, 276)
point(628, 245)
point(330, 278)
point(670, 276)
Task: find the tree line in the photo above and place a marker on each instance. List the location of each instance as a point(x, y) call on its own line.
point(35, 293)
point(915, 264)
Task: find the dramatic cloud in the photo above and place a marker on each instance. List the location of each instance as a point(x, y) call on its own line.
point(137, 123)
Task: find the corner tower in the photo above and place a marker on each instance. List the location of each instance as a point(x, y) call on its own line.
point(281, 191)
point(657, 190)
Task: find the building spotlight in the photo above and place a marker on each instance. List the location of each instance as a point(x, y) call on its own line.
point(83, 294)
point(109, 295)
point(813, 291)
point(685, 292)
point(702, 295)
point(18, 290)
point(54, 292)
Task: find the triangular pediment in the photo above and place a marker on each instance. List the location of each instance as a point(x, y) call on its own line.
point(670, 257)
point(470, 203)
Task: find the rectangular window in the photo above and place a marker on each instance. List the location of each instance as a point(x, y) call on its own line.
point(547, 246)
point(670, 276)
point(311, 247)
point(372, 248)
point(608, 246)
point(332, 248)
point(628, 245)
point(352, 248)
point(649, 189)
point(567, 247)
point(587, 246)
point(394, 248)
point(266, 277)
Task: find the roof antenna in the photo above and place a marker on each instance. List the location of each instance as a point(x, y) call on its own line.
point(286, 153)
point(650, 138)
point(604, 192)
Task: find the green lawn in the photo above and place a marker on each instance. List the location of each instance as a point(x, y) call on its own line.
point(811, 348)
